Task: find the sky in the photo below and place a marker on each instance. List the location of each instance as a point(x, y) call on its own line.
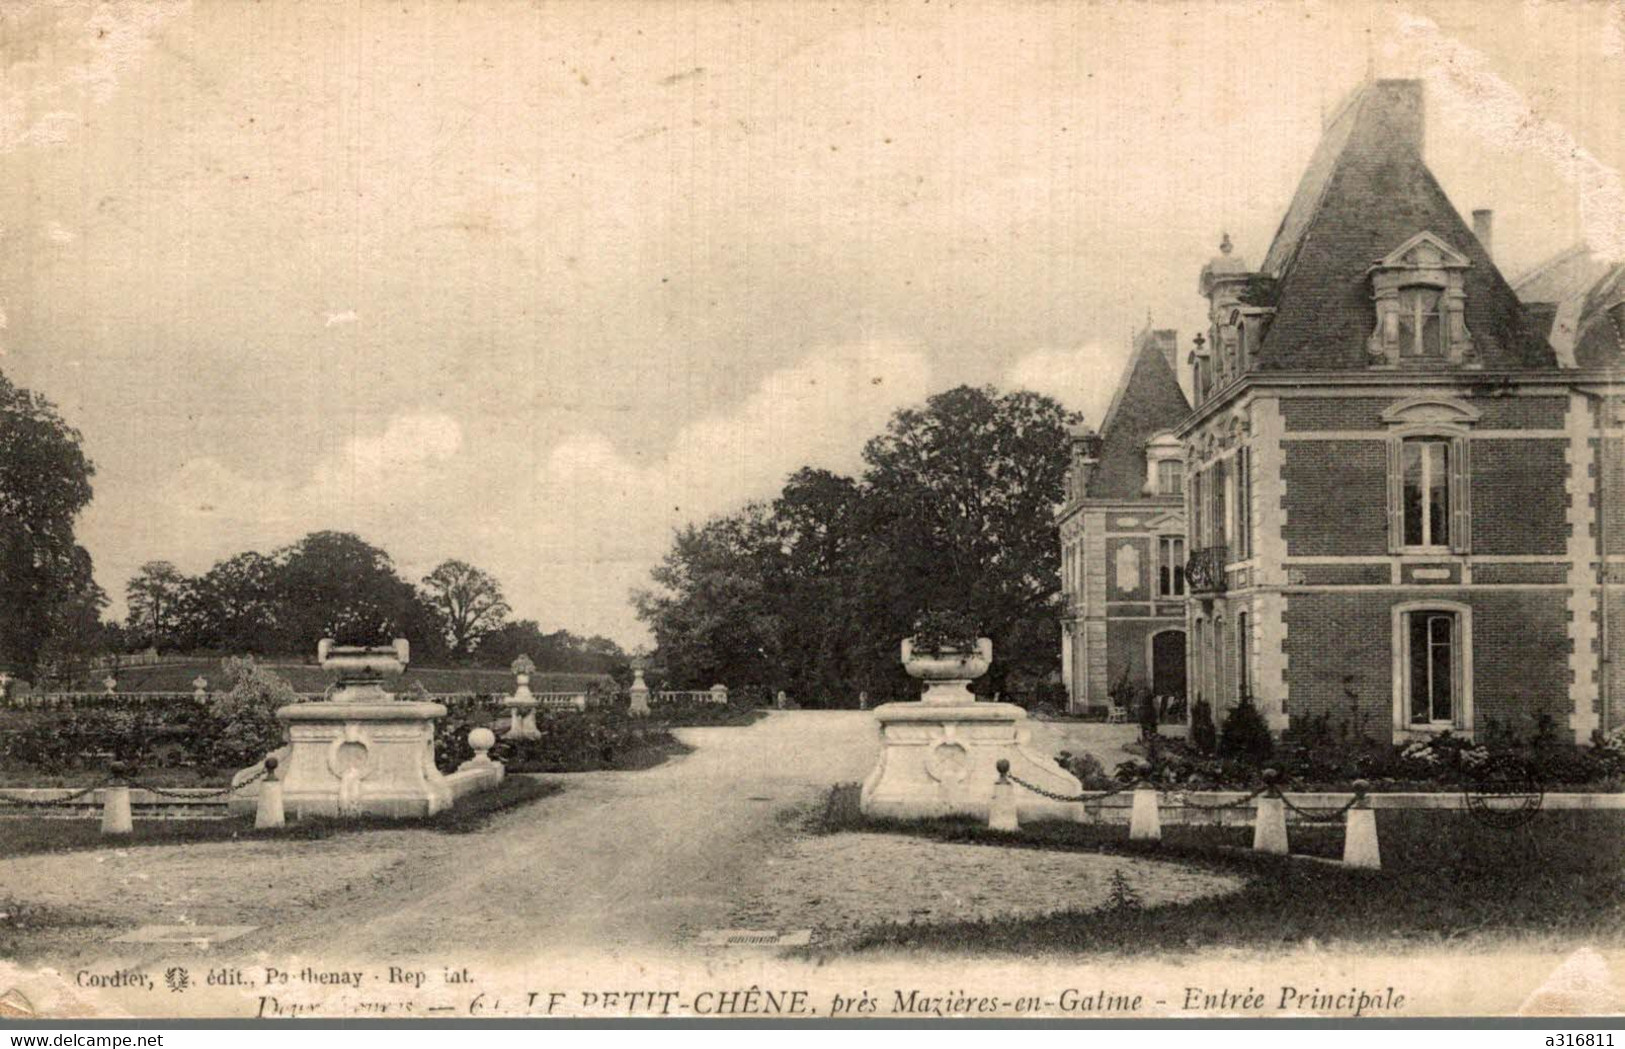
point(531, 285)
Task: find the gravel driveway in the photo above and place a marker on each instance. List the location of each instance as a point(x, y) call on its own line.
point(618, 862)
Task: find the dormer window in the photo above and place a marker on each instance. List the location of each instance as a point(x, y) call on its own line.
point(1421, 300)
point(1421, 322)
point(1170, 477)
point(1164, 465)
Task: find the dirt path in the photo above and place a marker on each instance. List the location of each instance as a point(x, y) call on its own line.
point(619, 860)
point(617, 863)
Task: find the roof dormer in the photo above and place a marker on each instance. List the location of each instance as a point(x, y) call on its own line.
point(1420, 293)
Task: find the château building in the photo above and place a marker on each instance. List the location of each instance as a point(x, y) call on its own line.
point(1405, 507)
point(1122, 532)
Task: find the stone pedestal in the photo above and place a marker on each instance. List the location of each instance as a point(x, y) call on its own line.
point(366, 757)
point(940, 756)
point(638, 694)
point(522, 704)
point(942, 760)
point(361, 752)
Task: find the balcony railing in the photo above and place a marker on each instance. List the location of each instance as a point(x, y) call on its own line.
point(1204, 572)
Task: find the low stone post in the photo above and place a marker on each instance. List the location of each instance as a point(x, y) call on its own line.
point(480, 741)
point(1145, 819)
point(1001, 811)
point(1269, 821)
point(781, 701)
point(269, 813)
point(116, 805)
point(639, 692)
point(863, 701)
point(1360, 832)
point(110, 683)
point(719, 694)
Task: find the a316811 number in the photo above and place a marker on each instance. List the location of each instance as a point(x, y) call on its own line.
point(1580, 1041)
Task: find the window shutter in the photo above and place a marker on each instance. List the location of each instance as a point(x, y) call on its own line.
point(1461, 517)
point(1396, 497)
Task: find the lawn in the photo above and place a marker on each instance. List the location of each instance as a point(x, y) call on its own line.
point(1445, 878)
point(24, 836)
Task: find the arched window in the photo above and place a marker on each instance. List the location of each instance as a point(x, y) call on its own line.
point(1433, 667)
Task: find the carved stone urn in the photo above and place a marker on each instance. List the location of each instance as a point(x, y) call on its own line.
point(948, 674)
point(939, 756)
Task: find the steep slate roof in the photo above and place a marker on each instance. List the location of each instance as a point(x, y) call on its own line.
point(1556, 290)
point(1148, 401)
point(1600, 342)
point(1367, 191)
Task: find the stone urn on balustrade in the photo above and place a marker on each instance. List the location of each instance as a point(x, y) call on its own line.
point(939, 755)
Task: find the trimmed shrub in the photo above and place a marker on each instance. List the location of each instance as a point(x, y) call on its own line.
point(1245, 736)
point(1150, 713)
point(1204, 737)
point(245, 715)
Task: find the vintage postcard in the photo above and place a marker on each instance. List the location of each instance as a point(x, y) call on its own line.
point(774, 511)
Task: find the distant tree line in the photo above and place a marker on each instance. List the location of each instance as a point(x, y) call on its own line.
point(335, 584)
point(813, 591)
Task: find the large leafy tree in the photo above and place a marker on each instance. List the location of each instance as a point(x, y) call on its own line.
point(962, 493)
point(813, 592)
point(157, 596)
point(469, 602)
point(712, 615)
point(235, 605)
point(45, 575)
point(337, 585)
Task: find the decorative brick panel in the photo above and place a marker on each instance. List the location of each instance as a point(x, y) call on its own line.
point(1339, 643)
point(1520, 413)
point(1520, 659)
point(1612, 454)
point(1334, 413)
point(1339, 575)
point(1336, 498)
point(1519, 573)
point(1519, 502)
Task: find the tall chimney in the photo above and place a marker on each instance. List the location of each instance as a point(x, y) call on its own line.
point(1484, 229)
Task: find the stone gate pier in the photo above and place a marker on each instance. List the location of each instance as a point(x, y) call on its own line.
point(939, 755)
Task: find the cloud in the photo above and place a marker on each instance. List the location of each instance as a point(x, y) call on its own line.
point(605, 517)
point(366, 484)
point(114, 38)
point(1082, 378)
point(1475, 96)
point(342, 317)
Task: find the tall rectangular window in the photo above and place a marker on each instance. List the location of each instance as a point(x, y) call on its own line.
point(1198, 512)
point(1219, 522)
point(1170, 477)
point(1170, 566)
point(1425, 472)
point(1244, 504)
point(1244, 659)
point(1421, 327)
point(1431, 663)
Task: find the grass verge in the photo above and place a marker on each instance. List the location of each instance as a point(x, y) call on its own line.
point(23, 836)
point(1446, 879)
